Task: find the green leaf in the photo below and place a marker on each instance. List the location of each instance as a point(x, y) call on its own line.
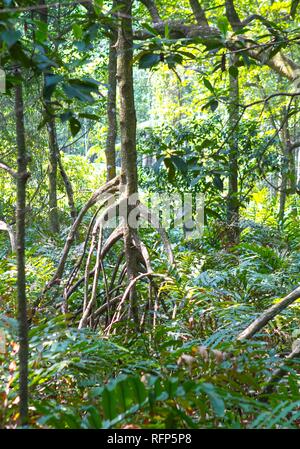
point(51, 82)
point(139, 389)
point(180, 164)
point(213, 105)
point(223, 24)
point(75, 126)
point(81, 92)
point(208, 84)
point(77, 31)
point(233, 71)
point(98, 5)
point(10, 37)
point(174, 59)
point(170, 167)
point(150, 29)
point(218, 183)
point(66, 116)
point(246, 59)
point(108, 403)
point(216, 401)
point(207, 143)
point(149, 60)
point(41, 32)
point(17, 53)
point(213, 44)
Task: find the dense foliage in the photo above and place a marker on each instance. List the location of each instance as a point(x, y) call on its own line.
point(214, 117)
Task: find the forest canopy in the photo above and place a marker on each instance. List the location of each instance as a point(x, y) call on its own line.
point(149, 225)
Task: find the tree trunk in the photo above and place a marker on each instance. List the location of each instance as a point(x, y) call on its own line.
point(22, 176)
point(283, 184)
point(53, 150)
point(128, 136)
point(52, 175)
point(68, 187)
point(232, 198)
point(288, 168)
point(110, 149)
point(292, 176)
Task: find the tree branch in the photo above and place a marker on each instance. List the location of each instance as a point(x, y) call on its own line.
point(269, 314)
point(294, 146)
point(152, 8)
point(9, 170)
point(179, 30)
point(199, 13)
point(232, 16)
point(280, 63)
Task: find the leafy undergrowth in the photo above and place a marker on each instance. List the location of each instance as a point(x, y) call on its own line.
point(78, 379)
point(188, 371)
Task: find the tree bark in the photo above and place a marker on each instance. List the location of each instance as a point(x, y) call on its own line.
point(53, 149)
point(22, 176)
point(269, 314)
point(232, 198)
point(110, 149)
point(52, 175)
point(128, 137)
point(288, 168)
point(198, 13)
point(68, 187)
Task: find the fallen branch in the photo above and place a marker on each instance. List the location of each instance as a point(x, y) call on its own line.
point(269, 314)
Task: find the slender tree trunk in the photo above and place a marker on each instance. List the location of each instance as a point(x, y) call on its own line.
point(52, 175)
point(128, 135)
point(22, 177)
point(293, 170)
point(53, 150)
point(288, 169)
point(292, 173)
point(68, 187)
point(232, 198)
point(283, 187)
point(110, 149)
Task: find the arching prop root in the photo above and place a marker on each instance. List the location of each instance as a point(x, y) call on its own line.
point(102, 194)
point(106, 307)
point(125, 296)
point(6, 227)
point(114, 305)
